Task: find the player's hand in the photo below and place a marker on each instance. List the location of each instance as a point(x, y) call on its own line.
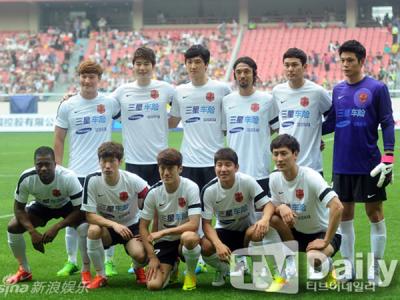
point(152, 267)
point(50, 234)
point(322, 146)
point(385, 169)
point(223, 252)
point(287, 215)
point(318, 244)
point(37, 241)
point(261, 227)
point(154, 236)
point(123, 231)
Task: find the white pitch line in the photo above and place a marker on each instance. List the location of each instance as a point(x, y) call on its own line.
point(6, 216)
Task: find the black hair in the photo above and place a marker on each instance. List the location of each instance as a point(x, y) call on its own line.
point(226, 154)
point(198, 50)
point(295, 53)
point(355, 47)
point(248, 61)
point(285, 140)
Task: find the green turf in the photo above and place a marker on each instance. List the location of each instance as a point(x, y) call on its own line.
point(16, 155)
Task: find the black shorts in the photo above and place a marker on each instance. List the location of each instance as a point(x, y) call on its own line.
point(264, 183)
point(201, 176)
point(233, 239)
point(305, 238)
point(46, 214)
point(358, 188)
point(167, 251)
point(117, 239)
point(82, 181)
point(147, 172)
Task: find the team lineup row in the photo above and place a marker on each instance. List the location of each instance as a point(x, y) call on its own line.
point(207, 108)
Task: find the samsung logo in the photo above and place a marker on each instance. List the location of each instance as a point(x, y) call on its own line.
point(343, 123)
point(287, 124)
point(83, 130)
point(135, 117)
point(192, 120)
point(236, 129)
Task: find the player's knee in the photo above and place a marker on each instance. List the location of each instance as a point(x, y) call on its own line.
point(94, 232)
point(207, 248)
point(315, 258)
point(14, 226)
point(190, 239)
point(82, 229)
point(374, 214)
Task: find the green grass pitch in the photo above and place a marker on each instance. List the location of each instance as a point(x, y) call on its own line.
point(16, 155)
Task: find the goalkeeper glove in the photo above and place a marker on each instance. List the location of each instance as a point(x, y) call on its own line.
point(385, 169)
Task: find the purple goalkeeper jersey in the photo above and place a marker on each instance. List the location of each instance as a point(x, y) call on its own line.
point(357, 110)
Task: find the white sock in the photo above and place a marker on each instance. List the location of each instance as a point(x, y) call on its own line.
point(17, 245)
point(348, 240)
point(191, 258)
point(109, 253)
point(378, 239)
point(96, 253)
point(216, 263)
point(82, 233)
point(71, 244)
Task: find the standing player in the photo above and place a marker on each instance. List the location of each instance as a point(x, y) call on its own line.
point(87, 119)
point(307, 209)
point(112, 200)
point(360, 105)
point(199, 106)
point(144, 116)
point(176, 201)
point(231, 198)
point(57, 194)
point(249, 117)
point(302, 104)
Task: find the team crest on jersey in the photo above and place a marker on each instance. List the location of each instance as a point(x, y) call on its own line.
point(154, 94)
point(304, 101)
point(210, 96)
point(255, 107)
point(239, 196)
point(101, 109)
point(181, 201)
point(123, 196)
point(56, 193)
point(299, 194)
point(363, 98)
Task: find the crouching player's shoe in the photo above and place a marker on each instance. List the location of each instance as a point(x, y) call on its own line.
point(20, 276)
point(189, 282)
point(219, 279)
point(98, 282)
point(68, 269)
point(131, 269)
point(174, 277)
point(110, 269)
point(276, 285)
point(86, 277)
point(140, 276)
point(330, 279)
point(201, 267)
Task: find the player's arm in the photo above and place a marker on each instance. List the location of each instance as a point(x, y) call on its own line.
point(210, 233)
point(59, 141)
point(122, 230)
point(191, 225)
point(287, 214)
point(335, 216)
point(262, 225)
point(173, 121)
point(71, 220)
point(23, 218)
point(154, 262)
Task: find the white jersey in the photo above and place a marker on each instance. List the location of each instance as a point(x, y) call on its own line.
point(234, 207)
point(64, 188)
point(248, 121)
point(200, 108)
point(172, 209)
point(300, 115)
point(307, 195)
point(144, 119)
point(117, 203)
point(89, 124)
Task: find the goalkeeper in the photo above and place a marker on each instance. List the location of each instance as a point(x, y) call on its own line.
point(360, 173)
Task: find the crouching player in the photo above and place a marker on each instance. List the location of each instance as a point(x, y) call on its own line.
point(57, 193)
point(176, 202)
point(307, 209)
point(112, 199)
point(231, 197)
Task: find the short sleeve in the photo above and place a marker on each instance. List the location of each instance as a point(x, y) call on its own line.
point(147, 213)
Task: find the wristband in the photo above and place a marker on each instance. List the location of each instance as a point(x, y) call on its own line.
point(387, 159)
